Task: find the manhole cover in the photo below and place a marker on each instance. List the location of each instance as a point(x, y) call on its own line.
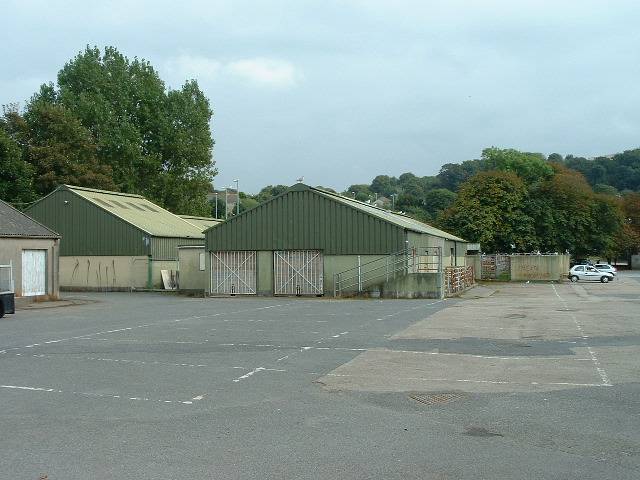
point(515, 315)
point(436, 398)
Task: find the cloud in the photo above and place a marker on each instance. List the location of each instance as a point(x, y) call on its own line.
point(185, 67)
point(258, 71)
point(265, 71)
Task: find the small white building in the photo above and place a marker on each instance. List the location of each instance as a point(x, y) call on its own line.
point(32, 251)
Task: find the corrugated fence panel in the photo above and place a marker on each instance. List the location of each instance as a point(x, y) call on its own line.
point(166, 248)
point(305, 220)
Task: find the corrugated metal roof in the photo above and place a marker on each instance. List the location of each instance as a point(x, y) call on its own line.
point(395, 218)
point(201, 222)
point(139, 212)
point(14, 223)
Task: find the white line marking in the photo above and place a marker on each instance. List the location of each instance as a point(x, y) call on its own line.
point(89, 394)
point(247, 375)
point(155, 324)
point(601, 371)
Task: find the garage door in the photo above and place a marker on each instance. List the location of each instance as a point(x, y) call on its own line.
point(233, 273)
point(298, 272)
point(34, 272)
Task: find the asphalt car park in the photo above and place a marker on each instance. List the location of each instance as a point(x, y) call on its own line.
point(520, 380)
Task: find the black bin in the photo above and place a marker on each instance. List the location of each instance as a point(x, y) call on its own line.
point(7, 303)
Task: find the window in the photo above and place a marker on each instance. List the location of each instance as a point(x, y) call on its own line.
point(579, 269)
point(202, 263)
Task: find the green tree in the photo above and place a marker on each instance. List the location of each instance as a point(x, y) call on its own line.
point(570, 217)
point(62, 151)
point(437, 201)
point(489, 210)
point(16, 175)
point(531, 167)
point(270, 191)
point(157, 142)
point(384, 185)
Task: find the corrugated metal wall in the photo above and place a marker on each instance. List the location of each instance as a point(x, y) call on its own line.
point(86, 229)
point(304, 220)
point(166, 248)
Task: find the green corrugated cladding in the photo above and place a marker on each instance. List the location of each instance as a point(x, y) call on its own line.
point(166, 248)
point(87, 229)
point(305, 220)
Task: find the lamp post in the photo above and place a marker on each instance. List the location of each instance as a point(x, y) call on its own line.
point(393, 201)
point(237, 196)
point(226, 202)
point(216, 205)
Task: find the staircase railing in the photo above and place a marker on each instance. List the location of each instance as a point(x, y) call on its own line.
point(364, 275)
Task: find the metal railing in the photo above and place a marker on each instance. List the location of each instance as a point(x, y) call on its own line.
point(365, 275)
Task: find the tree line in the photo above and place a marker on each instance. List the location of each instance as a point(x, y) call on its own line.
point(518, 201)
point(109, 122)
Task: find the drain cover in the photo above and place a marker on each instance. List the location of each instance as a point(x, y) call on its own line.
point(436, 398)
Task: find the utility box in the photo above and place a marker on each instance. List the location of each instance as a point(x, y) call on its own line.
point(7, 303)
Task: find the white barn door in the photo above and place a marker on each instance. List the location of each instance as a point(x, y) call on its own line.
point(34, 272)
point(233, 273)
point(298, 272)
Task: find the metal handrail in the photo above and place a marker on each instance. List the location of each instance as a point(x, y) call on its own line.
point(403, 261)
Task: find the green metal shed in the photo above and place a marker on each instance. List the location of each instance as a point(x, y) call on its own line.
point(112, 232)
point(298, 242)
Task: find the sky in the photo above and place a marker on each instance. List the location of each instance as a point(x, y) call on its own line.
point(338, 92)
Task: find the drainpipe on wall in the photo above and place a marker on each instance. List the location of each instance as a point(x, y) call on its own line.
point(149, 274)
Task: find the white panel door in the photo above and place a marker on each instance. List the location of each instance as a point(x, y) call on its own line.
point(298, 272)
point(233, 273)
point(34, 272)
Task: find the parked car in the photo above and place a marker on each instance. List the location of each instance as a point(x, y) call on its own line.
point(605, 267)
point(581, 261)
point(587, 272)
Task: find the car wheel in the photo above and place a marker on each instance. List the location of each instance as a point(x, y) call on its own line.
point(604, 279)
point(574, 278)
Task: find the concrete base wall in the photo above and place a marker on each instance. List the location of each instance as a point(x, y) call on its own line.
point(103, 272)
point(191, 278)
point(529, 267)
point(419, 285)
point(414, 285)
point(156, 266)
point(11, 251)
point(539, 267)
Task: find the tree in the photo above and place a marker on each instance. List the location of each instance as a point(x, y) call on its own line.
point(531, 167)
point(452, 175)
point(489, 210)
point(437, 201)
point(384, 185)
point(62, 151)
point(570, 217)
point(16, 175)
point(157, 142)
point(270, 191)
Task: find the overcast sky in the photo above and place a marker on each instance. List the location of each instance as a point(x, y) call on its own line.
point(341, 91)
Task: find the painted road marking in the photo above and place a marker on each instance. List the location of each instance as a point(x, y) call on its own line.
point(24, 388)
point(601, 371)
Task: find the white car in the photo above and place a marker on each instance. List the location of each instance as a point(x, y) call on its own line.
point(587, 272)
point(605, 267)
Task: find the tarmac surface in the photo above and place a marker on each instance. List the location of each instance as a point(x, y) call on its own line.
point(522, 380)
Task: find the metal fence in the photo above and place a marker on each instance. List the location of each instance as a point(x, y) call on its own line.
point(6, 278)
point(495, 267)
point(458, 279)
